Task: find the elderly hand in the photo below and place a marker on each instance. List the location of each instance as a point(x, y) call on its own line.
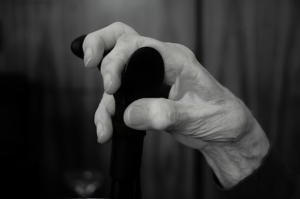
point(199, 112)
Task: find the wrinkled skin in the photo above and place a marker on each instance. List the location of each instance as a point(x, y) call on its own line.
point(199, 112)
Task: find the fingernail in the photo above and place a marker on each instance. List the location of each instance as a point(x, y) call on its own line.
point(88, 55)
point(107, 82)
point(100, 133)
point(136, 116)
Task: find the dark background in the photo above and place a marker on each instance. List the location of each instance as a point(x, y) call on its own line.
point(48, 99)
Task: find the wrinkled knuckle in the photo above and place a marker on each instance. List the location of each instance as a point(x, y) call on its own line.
point(91, 39)
point(127, 38)
point(162, 114)
point(122, 26)
point(105, 62)
point(116, 57)
point(148, 41)
point(181, 46)
point(187, 52)
point(190, 54)
point(185, 49)
point(119, 24)
point(88, 40)
point(193, 59)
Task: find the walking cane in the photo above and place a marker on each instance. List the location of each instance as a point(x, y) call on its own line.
point(142, 77)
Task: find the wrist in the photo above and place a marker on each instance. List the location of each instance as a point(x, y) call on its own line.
point(233, 161)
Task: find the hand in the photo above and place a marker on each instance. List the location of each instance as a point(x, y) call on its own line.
point(199, 112)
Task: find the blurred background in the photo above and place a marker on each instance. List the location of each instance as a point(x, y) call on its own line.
point(48, 99)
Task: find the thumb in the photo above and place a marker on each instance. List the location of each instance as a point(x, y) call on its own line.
point(151, 114)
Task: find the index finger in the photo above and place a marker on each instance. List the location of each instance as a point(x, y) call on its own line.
point(96, 43)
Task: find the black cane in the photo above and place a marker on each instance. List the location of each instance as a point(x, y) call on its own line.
point(142, 77)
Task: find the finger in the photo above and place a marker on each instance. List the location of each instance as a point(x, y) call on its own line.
point(102, 40)
point(175, 59)
point(157, 114)
point(125, 41)
point(114, 63)
point(104, 112)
